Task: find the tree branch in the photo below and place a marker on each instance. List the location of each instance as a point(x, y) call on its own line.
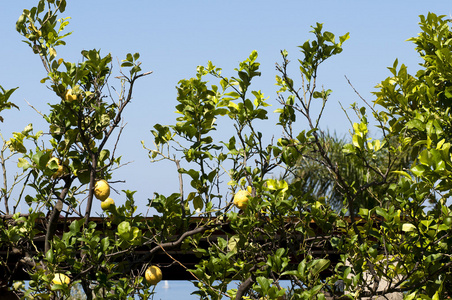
point(51, 227)
point(243, 288)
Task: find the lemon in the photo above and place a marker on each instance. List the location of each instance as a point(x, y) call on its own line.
point(153, 275)
point(241, 199)
point(101, 190)
point(60, 278)
point(105, 205)
point(70, 96)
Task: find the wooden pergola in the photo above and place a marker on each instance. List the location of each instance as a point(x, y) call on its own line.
point(173, 260)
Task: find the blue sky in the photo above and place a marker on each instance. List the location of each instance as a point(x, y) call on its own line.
point(174, 37)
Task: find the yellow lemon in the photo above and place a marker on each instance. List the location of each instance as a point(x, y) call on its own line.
point(70, 96)
point(107, 203)
point(241, 199)
point(101, 190)
point(60, 278)
point(153, 275)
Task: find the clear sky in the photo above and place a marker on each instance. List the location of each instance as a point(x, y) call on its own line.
point(173, 37)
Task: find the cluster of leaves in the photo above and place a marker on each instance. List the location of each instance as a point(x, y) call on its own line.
point(340, 220)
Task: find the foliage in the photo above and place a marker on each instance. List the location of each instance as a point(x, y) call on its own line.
point(317, 179)
point(288, 230)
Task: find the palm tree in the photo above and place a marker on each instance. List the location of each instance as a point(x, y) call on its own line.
point(316, 178)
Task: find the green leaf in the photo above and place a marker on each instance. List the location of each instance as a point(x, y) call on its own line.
point(317, 94)
point(83, 176)
point(49, 256)
point(232, 243)
point(363, 212)
point(419, 170)
point(382, 212)
point(415, 123)
point(23, 163)
point(75, 226)
point(407, 227)
point(403, 173)
point(104, 154)
point(436, 296)
point(344, 38)
point(302, 269)
point(136, 234)
point(321, 297)
point(264, 283)
point(198, 204)
point(357, 141)
point(273, 184)
point(319, 266)
point(104, 243)
point(335, 241)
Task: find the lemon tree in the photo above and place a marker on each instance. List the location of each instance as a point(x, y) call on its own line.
point(64, 172)
point(244, 185)
point(289, 233)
